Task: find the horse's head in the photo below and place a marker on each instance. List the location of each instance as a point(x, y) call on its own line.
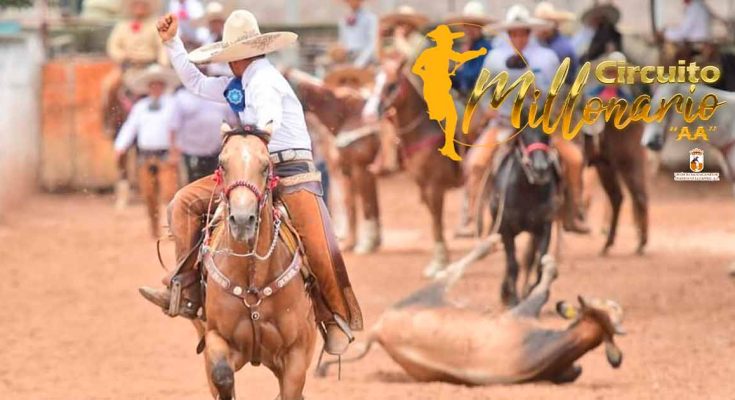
point(394, 88)
point(535, 155)
point(246, 175)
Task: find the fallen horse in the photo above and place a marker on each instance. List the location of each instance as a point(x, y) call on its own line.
point(435, 341)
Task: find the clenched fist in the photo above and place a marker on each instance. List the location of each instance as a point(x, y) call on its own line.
point(167, 27)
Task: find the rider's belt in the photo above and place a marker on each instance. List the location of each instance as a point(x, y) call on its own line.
point(152, 153)
point(291, 168)
point(291, 155)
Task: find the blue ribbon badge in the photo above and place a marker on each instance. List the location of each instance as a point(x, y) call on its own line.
point(235, 95)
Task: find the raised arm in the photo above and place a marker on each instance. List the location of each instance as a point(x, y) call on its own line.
point(210, 88)
point(467, 55)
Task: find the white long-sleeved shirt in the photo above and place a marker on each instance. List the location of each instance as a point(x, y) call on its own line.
point(695, 27)
point(268, 97)
point(196, 123)
point(542, 61)
point(151, 128)
point(359, 37)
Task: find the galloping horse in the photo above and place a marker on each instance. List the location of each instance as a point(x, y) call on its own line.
point(257, 306)
point(525, 199)
point(341, 113)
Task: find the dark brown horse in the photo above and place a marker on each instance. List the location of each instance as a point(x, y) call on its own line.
point(340, 111)
point(257, 306)
point(618, 155)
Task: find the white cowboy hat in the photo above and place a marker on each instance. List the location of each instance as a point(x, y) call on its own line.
point(214, 10)
point(139, 83)
point(404, 15)
point(472, 13)
point(154, 5)
point(348, 75)
point(608, 11)
point(546, 10)
point(518, 17)
point(242, 39)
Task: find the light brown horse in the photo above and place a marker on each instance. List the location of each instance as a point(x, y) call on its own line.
point(340, 111)
point(618, 154)
point(257, 305)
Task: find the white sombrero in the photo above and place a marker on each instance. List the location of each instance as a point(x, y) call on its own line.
point(547, 11)
point(518, 17)
point(154, 5)
point(242, 39)
point(214, 10)
point(472, 13)
point(404, 15)
point(139, 83)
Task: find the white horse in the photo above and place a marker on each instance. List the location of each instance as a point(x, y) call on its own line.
point(722, 139)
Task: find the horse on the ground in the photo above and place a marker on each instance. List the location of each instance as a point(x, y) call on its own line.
point(525, 198)
point(616, 154)
point(257, 306)
point(340, 111)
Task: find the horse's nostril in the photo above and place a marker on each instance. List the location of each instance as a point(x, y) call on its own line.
point(251, 219)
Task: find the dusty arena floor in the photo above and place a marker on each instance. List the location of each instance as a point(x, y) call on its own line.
point(74, 326)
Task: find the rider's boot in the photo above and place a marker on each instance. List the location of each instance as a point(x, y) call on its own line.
point(311, 220)
point(182, 295)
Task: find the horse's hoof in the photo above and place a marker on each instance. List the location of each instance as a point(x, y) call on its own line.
point(640, 251)
point(365, 248)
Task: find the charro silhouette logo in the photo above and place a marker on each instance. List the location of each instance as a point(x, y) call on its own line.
point(696, 160)
point(432, 66)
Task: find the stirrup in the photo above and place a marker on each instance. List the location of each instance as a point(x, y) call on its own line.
point(175, 302)
point(344, 327)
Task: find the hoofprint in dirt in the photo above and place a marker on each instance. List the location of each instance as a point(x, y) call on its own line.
point(75, 328)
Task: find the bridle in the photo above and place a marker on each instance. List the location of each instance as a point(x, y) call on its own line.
point(524, 152)
point(396, 93)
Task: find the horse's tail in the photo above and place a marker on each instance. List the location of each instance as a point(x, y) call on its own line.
point(323, 367)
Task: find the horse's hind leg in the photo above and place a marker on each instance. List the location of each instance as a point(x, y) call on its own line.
point(529, 263)
point(220, 374)
point(433, 197)
point(615, 194)
point(348, 191)
point(635, 179)
point(366, 185)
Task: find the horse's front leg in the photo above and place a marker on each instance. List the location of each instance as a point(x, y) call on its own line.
point(369, 238)
point(292, 377)
point(615, 195)
point(220, 370)
point(508, 293)
point(433, 197)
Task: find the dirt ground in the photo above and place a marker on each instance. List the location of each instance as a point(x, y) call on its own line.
point(74, 326)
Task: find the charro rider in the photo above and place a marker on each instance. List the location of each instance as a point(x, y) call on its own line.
point(544, 63)
point(149, 125)
point(432, 66)
point(133, 43)
point(472, 20)
point(264, 101)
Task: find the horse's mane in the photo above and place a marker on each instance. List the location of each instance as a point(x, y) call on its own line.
point(244, 131)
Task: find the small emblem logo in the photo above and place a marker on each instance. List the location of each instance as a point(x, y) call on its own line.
point(696, 160)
